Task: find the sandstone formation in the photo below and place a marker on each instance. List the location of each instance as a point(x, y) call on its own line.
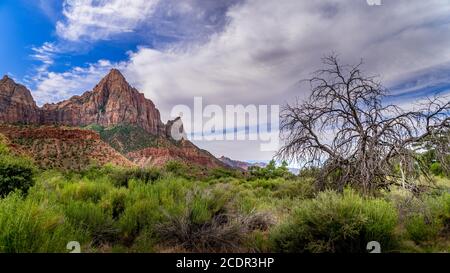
point(16, 103)
point(113, 101)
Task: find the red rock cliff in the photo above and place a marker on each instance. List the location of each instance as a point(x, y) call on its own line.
point(16, 103)
point(113, 101)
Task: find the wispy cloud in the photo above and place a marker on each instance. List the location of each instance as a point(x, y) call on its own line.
point(45, 54)
point(101, 19)
point(49, 8)
point(54, 87)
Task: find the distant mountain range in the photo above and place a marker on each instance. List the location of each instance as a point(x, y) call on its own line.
point(112, 123)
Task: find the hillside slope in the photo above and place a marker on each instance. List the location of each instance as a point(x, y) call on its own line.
point(62, 147)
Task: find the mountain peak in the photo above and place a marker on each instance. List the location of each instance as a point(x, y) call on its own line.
point(5, 78)
point(115, 74)
point(114, 81)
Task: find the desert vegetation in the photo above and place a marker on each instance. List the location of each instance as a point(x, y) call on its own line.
point(111, 209)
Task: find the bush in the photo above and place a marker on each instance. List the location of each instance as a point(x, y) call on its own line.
point(114, 202)
point(436, 169)
point(218, 173)
point(431, 220)
point(84, 191)
point(33, 226)
point(181, 169)
point(299, 188)
point(16, 173)
point(337, 223)
point(271, 171)
point(421, 228)
point(93, 220)
point(206, 225)
point(121, 178)
point(145, 205)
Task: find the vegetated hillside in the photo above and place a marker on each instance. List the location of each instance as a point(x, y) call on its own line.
point(62, 147)
point(125, 138)
point(183, 151)
point(146, 150)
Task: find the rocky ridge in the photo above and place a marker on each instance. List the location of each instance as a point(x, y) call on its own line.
point(112, 102)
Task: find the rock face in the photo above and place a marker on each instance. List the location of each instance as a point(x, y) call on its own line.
point(16, 103)
point(113, 101)
point(175, 129)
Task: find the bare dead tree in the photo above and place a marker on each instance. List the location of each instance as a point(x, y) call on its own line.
point(347, 129)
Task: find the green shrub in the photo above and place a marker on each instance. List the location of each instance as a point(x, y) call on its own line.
point(33, 226)
point(114, 202)
point(436, 169)
point(16, 173)
point(300, 188)
point(181, 169)
point(146, 205)
point(138, 216)
point(218, 173)
point(84, 190)
point(421, 228)
point(121, 178)
point(93, 220)
point(337, 223)
point(431, 220)
point(271, 171)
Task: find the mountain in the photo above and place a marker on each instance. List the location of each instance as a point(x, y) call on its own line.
point(235, 164)
point(114, 113)
point(113, 101)
point(240, 164)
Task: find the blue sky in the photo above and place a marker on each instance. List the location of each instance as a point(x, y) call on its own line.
point(227, 52)
point(16, 22)
point(26, 26)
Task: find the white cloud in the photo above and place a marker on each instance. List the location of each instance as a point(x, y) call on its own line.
point(269, 45)
point(45, 54)
point(266, 47)
point(54, 87)
point(101, 19)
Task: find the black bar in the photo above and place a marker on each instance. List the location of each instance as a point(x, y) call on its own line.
point(223, 262)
